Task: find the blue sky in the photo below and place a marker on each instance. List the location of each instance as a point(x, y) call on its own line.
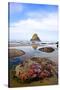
point(27, 19)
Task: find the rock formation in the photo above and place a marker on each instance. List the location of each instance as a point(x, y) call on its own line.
point(35, 38)
point(14, 53)
point(47, 49)
point(35, 68)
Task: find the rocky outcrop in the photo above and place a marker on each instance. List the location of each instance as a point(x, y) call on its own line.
point(47, 49)
point(35, 68)
point(57, 43)
point(35, 38)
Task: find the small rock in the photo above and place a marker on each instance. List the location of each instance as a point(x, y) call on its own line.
point(47, 49)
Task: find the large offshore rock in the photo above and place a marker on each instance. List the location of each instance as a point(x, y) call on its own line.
point(35, 38)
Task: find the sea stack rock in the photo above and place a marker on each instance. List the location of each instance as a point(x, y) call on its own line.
point(35, 37)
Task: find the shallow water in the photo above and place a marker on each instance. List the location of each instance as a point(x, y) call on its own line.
point(31, 52)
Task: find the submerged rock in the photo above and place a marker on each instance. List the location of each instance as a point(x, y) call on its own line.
point(14, 53)
point(47, 49)
point(32, 69)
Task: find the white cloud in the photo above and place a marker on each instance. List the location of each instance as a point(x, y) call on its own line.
point(31, 25)
point(48, 23)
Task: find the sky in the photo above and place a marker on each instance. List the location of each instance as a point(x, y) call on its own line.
point(25, 19)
